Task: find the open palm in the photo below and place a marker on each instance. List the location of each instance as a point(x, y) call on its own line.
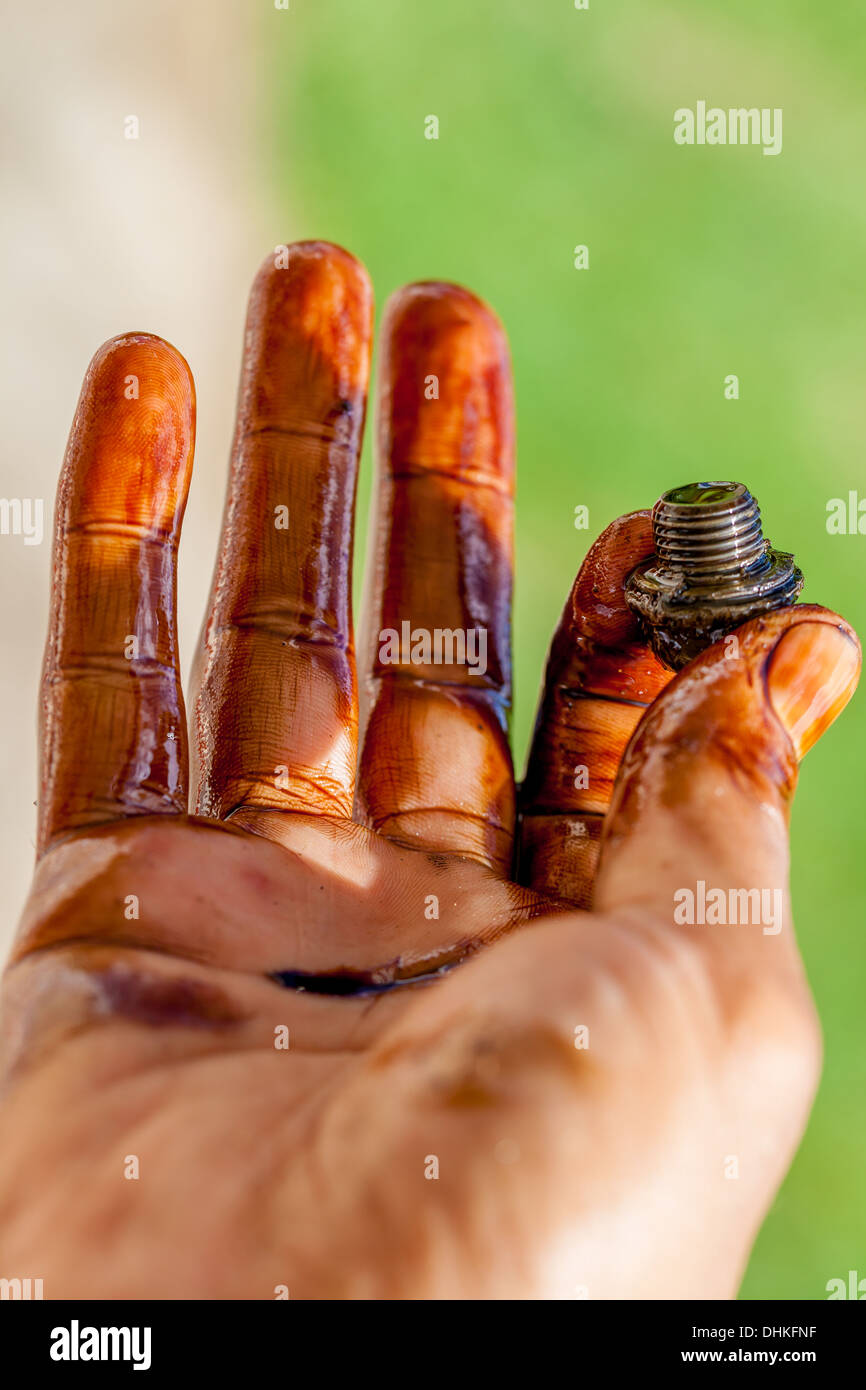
point(349, 1029)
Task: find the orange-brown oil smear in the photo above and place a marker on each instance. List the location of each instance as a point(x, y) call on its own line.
point(435, 769)
point(600, 678)
point(275, 717)
point(810, 678)
point(113, 724)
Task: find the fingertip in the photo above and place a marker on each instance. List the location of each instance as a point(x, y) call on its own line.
point(599, 646)
point(456, 334)
point(601, 613)
point(309, 333)
point(143, 349)
point(446, 390)
point(315, 277)
point(131, 445)
point(441, 305)
point(144, 371)
point(812, 671)
point(311, 258)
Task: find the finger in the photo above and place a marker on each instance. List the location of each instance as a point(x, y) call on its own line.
point(704, 790)
point(275, 718)
point(435, 766)
point(600, 678)
point(113, 729)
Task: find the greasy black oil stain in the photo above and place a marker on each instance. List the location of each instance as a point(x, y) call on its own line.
point(353, 984)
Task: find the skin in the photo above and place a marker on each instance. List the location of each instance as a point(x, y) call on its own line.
point(421, 1137)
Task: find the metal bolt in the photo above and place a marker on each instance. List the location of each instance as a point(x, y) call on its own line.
point(713, 569)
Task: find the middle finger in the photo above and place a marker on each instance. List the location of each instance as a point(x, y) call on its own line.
point(275, 715)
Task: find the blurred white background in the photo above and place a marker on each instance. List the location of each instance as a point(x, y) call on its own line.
point(100, 235)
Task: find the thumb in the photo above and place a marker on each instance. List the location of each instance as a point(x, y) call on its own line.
point(701, 802)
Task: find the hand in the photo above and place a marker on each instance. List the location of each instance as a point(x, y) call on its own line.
point(487, 1091)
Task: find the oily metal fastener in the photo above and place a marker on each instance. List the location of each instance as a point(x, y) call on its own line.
point(713, 569)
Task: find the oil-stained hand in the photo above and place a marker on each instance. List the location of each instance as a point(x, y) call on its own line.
point(368, 1023)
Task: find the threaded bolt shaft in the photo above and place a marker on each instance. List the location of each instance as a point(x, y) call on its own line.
point(709, 529)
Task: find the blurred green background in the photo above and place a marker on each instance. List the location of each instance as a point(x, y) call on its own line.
point(556, 129)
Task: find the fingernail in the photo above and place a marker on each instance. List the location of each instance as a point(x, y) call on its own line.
point(811, 676)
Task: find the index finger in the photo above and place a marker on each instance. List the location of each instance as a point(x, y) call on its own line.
point(600, 677)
